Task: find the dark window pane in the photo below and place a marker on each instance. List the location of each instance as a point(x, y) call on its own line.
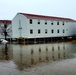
point(45, 30)
point(63, 31)
point(39, 31)
point(52, 31)
point(57, 31)
point(30, 21)
point(31, 31)
point(63, 23)
point(51, 23)
point(45, 22)
point(57, 23)
point(38, 22)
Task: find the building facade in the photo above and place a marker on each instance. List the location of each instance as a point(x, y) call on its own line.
point(5, 29)
point(39, 26)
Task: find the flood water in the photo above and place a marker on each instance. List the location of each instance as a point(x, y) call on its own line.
point(21, 57)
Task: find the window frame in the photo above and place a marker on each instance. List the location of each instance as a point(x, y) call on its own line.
point(30, 21)
point(63, 30)
point(57, 22)
point(63, 23)
point(57, 30)
point(38, 22)
point(52, 31)
point(39, 31)
point(52, 23)
point(31, 31)
point(45, 22)
point(46, 31)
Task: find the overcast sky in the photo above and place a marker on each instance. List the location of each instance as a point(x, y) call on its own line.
point(60, 8)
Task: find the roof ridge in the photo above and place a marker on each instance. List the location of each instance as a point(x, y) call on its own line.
point(5, 21)
point(47, 17)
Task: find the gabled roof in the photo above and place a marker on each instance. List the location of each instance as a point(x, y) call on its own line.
point(47, 17)
point(5, 22)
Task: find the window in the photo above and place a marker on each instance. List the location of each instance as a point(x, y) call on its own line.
point(38, 31)
point(67, 29)
point(57, 23)
point(63, 31)
point(63, 23)
point(45, 30)
point(38, 21)
point(52, 23)
point(45, 22)
point(31, 31)
point(58, 31)
point(30, 21)
point(52, 31)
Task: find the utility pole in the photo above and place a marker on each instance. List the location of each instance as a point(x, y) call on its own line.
point(20, 29)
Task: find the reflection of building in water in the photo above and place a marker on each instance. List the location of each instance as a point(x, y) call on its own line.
point(27, 55)
point(6, 52)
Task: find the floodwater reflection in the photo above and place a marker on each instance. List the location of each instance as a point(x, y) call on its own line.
point(5, 52)
point(27, 55)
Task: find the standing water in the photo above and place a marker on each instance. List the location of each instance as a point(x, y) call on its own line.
point(38, 59)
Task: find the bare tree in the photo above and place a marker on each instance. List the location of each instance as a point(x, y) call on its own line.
point(5, 29)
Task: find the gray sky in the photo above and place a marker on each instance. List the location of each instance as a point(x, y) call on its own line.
point(60, 8)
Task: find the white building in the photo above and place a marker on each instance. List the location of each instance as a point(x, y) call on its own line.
point(39, 26)
point(5, 27)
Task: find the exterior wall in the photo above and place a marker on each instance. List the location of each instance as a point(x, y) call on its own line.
point(73, 28)
point(8, 29)
point(18, 22)
point(1, 25)
point(68, 27)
